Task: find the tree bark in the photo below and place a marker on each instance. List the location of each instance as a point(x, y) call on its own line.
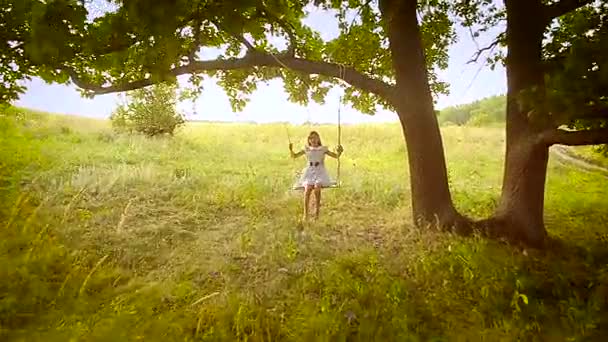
point(519, 215)
point(431, 199)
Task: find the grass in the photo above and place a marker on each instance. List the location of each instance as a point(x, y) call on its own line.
point(109, 237)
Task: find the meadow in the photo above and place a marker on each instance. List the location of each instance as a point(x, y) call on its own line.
point(110, 237)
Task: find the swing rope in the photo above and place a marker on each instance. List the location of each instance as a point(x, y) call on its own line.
point(342, 72)
point(339, 144)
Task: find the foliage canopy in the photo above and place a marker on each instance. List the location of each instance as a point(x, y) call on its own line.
point(140, 42)
point(574, 61)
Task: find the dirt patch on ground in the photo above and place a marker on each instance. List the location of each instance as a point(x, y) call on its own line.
point(566, 155)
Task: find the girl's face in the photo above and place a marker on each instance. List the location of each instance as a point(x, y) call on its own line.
point(313, 140)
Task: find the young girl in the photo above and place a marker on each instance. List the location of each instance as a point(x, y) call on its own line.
point(314, 176)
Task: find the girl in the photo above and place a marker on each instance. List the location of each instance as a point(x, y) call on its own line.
point(314, 176)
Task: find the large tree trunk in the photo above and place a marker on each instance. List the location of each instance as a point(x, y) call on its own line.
point(519, 215)
point(431, 200)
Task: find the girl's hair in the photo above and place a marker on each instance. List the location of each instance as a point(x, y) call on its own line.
point(311, 134)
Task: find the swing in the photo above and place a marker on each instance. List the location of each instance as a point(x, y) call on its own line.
point(334, 184)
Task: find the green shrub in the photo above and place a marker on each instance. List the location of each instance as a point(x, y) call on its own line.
point(151, 111)
point(482, 113)
point(480, 118)
point(457, 115)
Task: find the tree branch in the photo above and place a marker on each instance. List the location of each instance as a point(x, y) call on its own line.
point(251, 60)
point(244, 40)
point(288, 28)
point(238, 36)
point(197, 41)
point(575, 138)
point(490, 47)
point(563, 7)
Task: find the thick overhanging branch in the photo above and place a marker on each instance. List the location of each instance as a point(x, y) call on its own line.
point(575, 138)
point(251, 60)
point(563, 7)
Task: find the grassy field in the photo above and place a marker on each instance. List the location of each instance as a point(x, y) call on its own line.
point(107, 237)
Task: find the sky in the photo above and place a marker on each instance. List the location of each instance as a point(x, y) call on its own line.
point(468, 82)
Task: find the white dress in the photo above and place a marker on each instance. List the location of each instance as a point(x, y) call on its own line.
point(314, 174)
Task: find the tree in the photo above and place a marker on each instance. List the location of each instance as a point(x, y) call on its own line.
point(557, 74)
point(549, 86)
point(151, 111)
point(380, 59)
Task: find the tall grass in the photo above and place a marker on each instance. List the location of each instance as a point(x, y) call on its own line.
point(113, 237)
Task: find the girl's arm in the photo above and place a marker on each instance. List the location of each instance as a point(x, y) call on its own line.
point(295, 154)
point(335, 154)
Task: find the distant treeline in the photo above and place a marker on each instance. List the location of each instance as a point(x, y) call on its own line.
point(484, 112)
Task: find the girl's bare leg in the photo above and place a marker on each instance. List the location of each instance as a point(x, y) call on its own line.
point(317, 200)
point(307, 192)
